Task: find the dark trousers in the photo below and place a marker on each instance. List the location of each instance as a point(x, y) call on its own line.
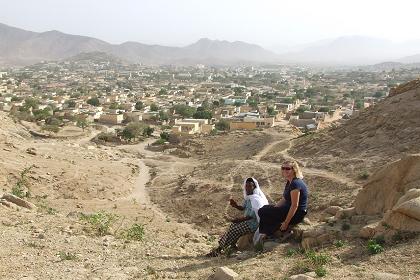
point(271, 218)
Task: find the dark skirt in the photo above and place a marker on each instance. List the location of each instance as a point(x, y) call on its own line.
point(271, 218)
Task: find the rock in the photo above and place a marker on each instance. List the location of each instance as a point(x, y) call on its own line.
point(387, 186)
point(345, 213)
point(401, 222)
point(308, 243)
point(245, 255)
point(8, 204)
point(225, 273)
point(385, 276)
point(31, 151)
point(245, 242)
point(18, 201)
point(301, 277)
point(368, 231)
point(332, 210)
point(410, 208)
point(313, 232)
point(270, 245)
point(358, 219)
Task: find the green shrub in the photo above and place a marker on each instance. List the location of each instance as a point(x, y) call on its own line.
point(320, 271)
point(374, 247)
point(339, 243)
point(135, 232)
point(363, 175)
point(21, 188)
point(100, 222)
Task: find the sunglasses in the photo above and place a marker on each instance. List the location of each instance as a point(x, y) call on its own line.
point(286, 168)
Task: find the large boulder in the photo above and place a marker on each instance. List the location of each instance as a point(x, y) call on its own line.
point(388, 185)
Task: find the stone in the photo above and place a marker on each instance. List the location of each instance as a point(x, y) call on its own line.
point(18, 201)
point(301, 277)
point(368, 231)
point(308, 243)
point(401, 222)
point(245, 242)
point(270, 245)
point(31, 151)
point(332, 210)
point(225, 273)
point(410, 208)
point(345, 213)
point(358, 219)
point(385, 276)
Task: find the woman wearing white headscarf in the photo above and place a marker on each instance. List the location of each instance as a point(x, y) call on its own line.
point(254, 199)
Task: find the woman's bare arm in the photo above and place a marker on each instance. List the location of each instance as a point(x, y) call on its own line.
point(294, 195)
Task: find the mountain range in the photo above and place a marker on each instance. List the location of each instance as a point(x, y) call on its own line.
point(21, 47)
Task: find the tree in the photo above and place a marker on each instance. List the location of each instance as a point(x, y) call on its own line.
point(154, 107)
point(94, 101)
point(222, 125)
point(148, 131)
point(253, 103)
point(163, 116)
point(31, 103)
point(42, 114)
point(132, 130)
point(71, 104)
point(203, 115)
point(324, 109)
point(238, 103)
point(165, 136)
point(139, 105)
point(184, 110)
point(162, 91)
point(82, 123)
point(270, 111)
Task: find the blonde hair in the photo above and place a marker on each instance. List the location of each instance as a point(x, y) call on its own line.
point(296, 168)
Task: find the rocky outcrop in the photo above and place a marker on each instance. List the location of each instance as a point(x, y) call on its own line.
point(393, 192)
point(388, 185)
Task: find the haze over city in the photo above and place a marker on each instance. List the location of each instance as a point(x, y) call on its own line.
point(275, 25)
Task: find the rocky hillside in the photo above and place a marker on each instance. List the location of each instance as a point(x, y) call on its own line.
point(380, 134)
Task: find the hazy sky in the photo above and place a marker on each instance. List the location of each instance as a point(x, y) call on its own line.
point(181, 22)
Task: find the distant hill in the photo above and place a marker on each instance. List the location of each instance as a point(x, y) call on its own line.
point(410, 59)
point(21, 47)
point(351, 50)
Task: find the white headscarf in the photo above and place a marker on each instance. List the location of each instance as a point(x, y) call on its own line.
point(257, 199)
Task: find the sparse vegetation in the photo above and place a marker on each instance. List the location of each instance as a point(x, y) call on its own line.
point(100, 222)
point(135, 232)
point(374, 247)
point(21, 189)
point(363, 175)
point(67, 256)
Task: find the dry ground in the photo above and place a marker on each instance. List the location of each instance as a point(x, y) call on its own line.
point(181, 202)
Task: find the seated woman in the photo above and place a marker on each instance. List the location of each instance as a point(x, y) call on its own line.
point(291, 209)
point(254, 199)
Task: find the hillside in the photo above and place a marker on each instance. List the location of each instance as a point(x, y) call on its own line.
point(382, 133)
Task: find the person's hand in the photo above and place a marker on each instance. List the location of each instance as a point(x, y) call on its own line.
point(233, 203)
point(284, 227)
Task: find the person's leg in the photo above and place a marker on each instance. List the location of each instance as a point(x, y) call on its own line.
point(235, 231)
point(298, 217)
point(271, 218)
